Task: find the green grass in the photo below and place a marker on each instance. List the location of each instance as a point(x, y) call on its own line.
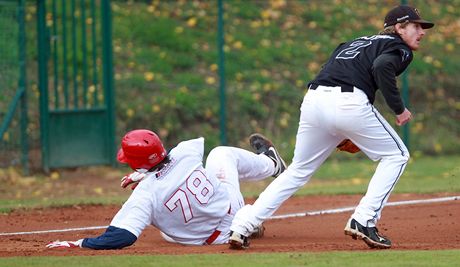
point(343, 259)
point(8, 205)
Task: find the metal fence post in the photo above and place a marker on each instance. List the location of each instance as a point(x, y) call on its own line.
point(23, 87)
point(223, 104)
point(43, 81)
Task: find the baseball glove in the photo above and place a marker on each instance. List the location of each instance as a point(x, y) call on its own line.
point(348, 146)
point(133, 178)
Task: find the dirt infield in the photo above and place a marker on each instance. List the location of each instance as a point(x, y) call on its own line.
point(428, 226)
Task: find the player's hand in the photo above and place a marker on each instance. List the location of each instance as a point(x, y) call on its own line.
point(65, 244)
point(404, 117)
point(133, 178)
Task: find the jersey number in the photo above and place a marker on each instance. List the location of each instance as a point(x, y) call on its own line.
point(352, 51)
point(198, 186)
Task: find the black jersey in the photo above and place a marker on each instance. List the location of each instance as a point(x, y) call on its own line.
point(353, 64)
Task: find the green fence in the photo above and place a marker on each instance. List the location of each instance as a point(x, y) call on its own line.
point(75, 82)
point(13, 101)
point(69, 75)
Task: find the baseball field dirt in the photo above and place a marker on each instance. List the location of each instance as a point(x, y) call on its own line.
point(423, 226)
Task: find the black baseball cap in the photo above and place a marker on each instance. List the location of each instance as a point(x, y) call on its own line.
point(404, 13)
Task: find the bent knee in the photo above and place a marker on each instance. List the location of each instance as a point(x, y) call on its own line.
point(219, 150)
point(400, 158)
point(220, 154)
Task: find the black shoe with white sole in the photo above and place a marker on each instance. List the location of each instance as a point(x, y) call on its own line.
point(262, 145)
point(370, 235)
point(238, 241)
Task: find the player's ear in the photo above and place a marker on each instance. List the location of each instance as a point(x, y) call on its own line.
point(399, 29)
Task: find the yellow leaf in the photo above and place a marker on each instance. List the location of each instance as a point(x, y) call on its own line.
point(284, 122)
point(156, 108)
point(237, 45)
point(129, 113)
point(55, 176)
point(437, 147)
point(210, 80)
point(6, 137)
point(149, 76)
point(213, 67)
point(239, 76)
point(265, 42)
point(151, 9)
point(98, 190)
point(191, 22)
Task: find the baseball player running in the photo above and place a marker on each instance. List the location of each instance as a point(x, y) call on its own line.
point(188, 203)
point(339, 106)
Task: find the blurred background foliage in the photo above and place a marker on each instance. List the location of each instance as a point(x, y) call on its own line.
point(167, 76)
point(166, 71)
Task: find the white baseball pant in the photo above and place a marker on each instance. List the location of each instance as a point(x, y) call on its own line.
point(327, 117)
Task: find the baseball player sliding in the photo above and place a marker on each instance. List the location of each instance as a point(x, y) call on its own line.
point(188, 203)
point(338, 106)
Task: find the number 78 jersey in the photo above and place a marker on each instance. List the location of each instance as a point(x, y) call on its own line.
point(181, 200)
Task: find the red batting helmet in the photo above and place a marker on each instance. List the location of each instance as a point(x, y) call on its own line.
point(141, 149)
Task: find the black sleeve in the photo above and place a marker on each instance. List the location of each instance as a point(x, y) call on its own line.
point(385, 69)
point(113, 238)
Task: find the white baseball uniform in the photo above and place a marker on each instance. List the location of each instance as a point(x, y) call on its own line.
point(338, 106)
point(191, 204)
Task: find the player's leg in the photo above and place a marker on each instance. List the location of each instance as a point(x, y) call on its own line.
point(314, 143)
point(378, 140)
point(305, 162)
point(231, 164)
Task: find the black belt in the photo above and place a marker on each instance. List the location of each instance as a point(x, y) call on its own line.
point(344, 88)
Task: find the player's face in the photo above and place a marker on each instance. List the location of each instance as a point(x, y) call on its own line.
point(412, 34)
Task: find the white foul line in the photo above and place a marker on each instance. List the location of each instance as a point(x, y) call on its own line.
point(345, 209)
point(292, 215)
point(57, 231)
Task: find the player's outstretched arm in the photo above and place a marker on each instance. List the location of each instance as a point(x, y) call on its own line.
point(112, 238)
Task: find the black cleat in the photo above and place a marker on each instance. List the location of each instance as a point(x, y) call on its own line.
point(370, 235)
point(262, 144)
point(238, 241)
point(258, 232)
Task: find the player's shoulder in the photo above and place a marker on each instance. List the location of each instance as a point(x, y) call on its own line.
point(192, 142)
point(385, 43)
point(191, 146)
point(396, 43)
